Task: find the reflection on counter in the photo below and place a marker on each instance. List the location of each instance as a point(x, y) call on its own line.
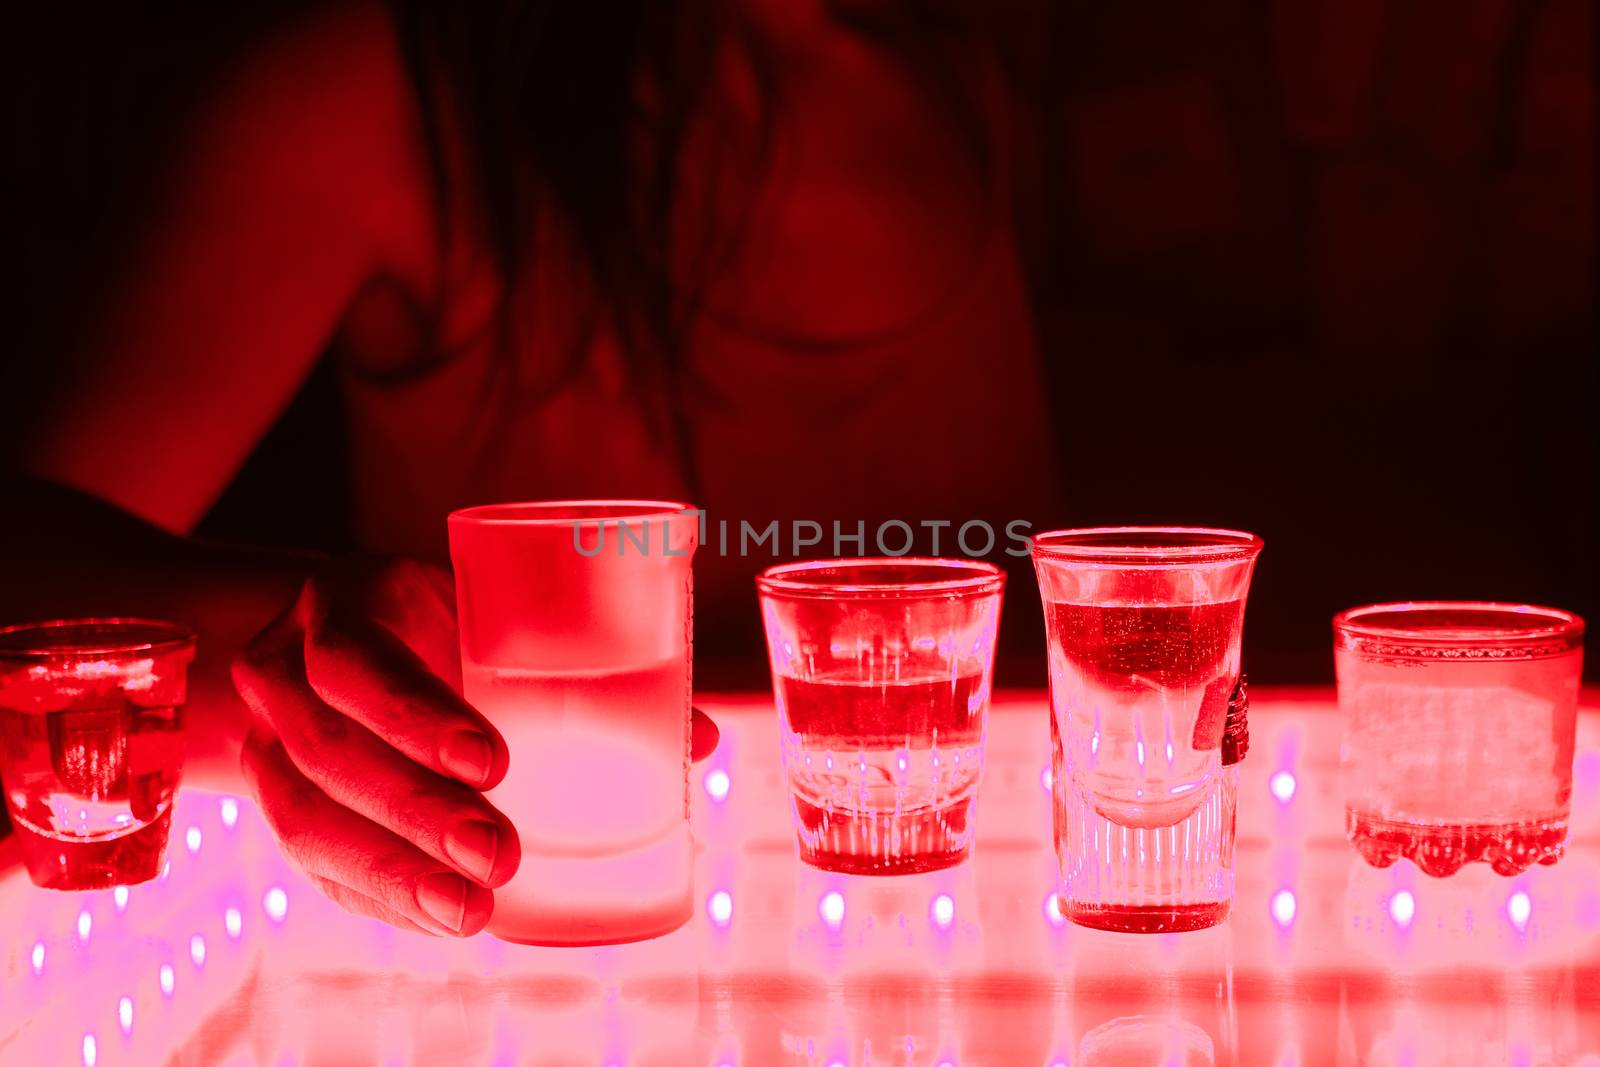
point(232, 958)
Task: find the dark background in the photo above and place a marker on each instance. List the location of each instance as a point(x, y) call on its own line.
point(1321, 270)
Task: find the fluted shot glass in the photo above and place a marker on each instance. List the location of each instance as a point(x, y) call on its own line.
point(1144, 627)
point(1459, 725)
point(882, 671)
point(576, 625)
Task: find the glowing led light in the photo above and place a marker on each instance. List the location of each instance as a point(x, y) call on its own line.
point(91, 1051)
point(38, 957)
point(1283, 905)
point(85, 924)
point(720, 907)
point(230, 811)
point(191, 839)
point(831, 908)
point(119, 896)
point(1282, 785)
point(1052, 910)
point(275, 902)
point(1047, 778)
point(168, 979)
point(233, 921)
point(1403, 907)
point(717, 785)
point(125, 1014)
point(197, 950)
point(943, 911)
point(1518, 908)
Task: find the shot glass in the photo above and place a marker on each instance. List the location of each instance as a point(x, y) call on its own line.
point(91, 745)
point(576, 644)
point(1144, 627)
point(881, 670)
point(1459, 721)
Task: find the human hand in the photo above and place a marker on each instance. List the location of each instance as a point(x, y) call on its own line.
point(366, 761)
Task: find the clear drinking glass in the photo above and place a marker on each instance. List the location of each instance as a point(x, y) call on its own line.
point(576, 621)
point(91, 745)
point(882, 669)
point(1459, 721)
point(1144, 627)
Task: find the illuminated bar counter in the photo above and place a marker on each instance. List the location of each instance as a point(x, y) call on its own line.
point(233, 958)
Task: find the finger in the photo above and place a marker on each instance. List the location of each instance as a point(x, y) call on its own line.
point(361, 904)
point(365, 671)
point(703, 735)
point(450, 821)
point(328, 840)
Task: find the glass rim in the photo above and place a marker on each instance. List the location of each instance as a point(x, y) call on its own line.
point(144, 636)
point(974, 578)
point(600, 511)
point(1546, 631)
point(1146, 546)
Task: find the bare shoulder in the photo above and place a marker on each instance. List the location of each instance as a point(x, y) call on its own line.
point(296, 179)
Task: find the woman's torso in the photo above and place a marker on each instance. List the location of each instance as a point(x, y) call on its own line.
point(869, 355)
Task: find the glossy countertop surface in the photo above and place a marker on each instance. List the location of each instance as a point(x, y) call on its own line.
point(233, 958)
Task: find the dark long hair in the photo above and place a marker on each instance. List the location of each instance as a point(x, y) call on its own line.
point(546, 95)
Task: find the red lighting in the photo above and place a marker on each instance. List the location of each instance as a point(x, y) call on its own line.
point(1283, 908)
point(275, 902)
point(717, 784)
point(831, 908)
point(1282, 786)
point(719, 907)
point(1403, 908)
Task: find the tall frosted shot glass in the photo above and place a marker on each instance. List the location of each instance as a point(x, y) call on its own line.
point(1459, 725)
point(576, 642)
point(1144, 627)
point(881, 671)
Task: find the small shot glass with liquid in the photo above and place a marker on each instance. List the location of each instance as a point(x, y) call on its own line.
point(882, 671)
point(1459, 723)
point(91, 745)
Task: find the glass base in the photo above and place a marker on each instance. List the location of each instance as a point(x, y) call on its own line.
point(1441, 849)
point(55, 863)
point(1148, 879)
point(1147, 919)
point(612, 899)
point(874, 843)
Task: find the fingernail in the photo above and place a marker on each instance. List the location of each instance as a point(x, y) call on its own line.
point(468, 756)
point(444, 897)
point(472, 846)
